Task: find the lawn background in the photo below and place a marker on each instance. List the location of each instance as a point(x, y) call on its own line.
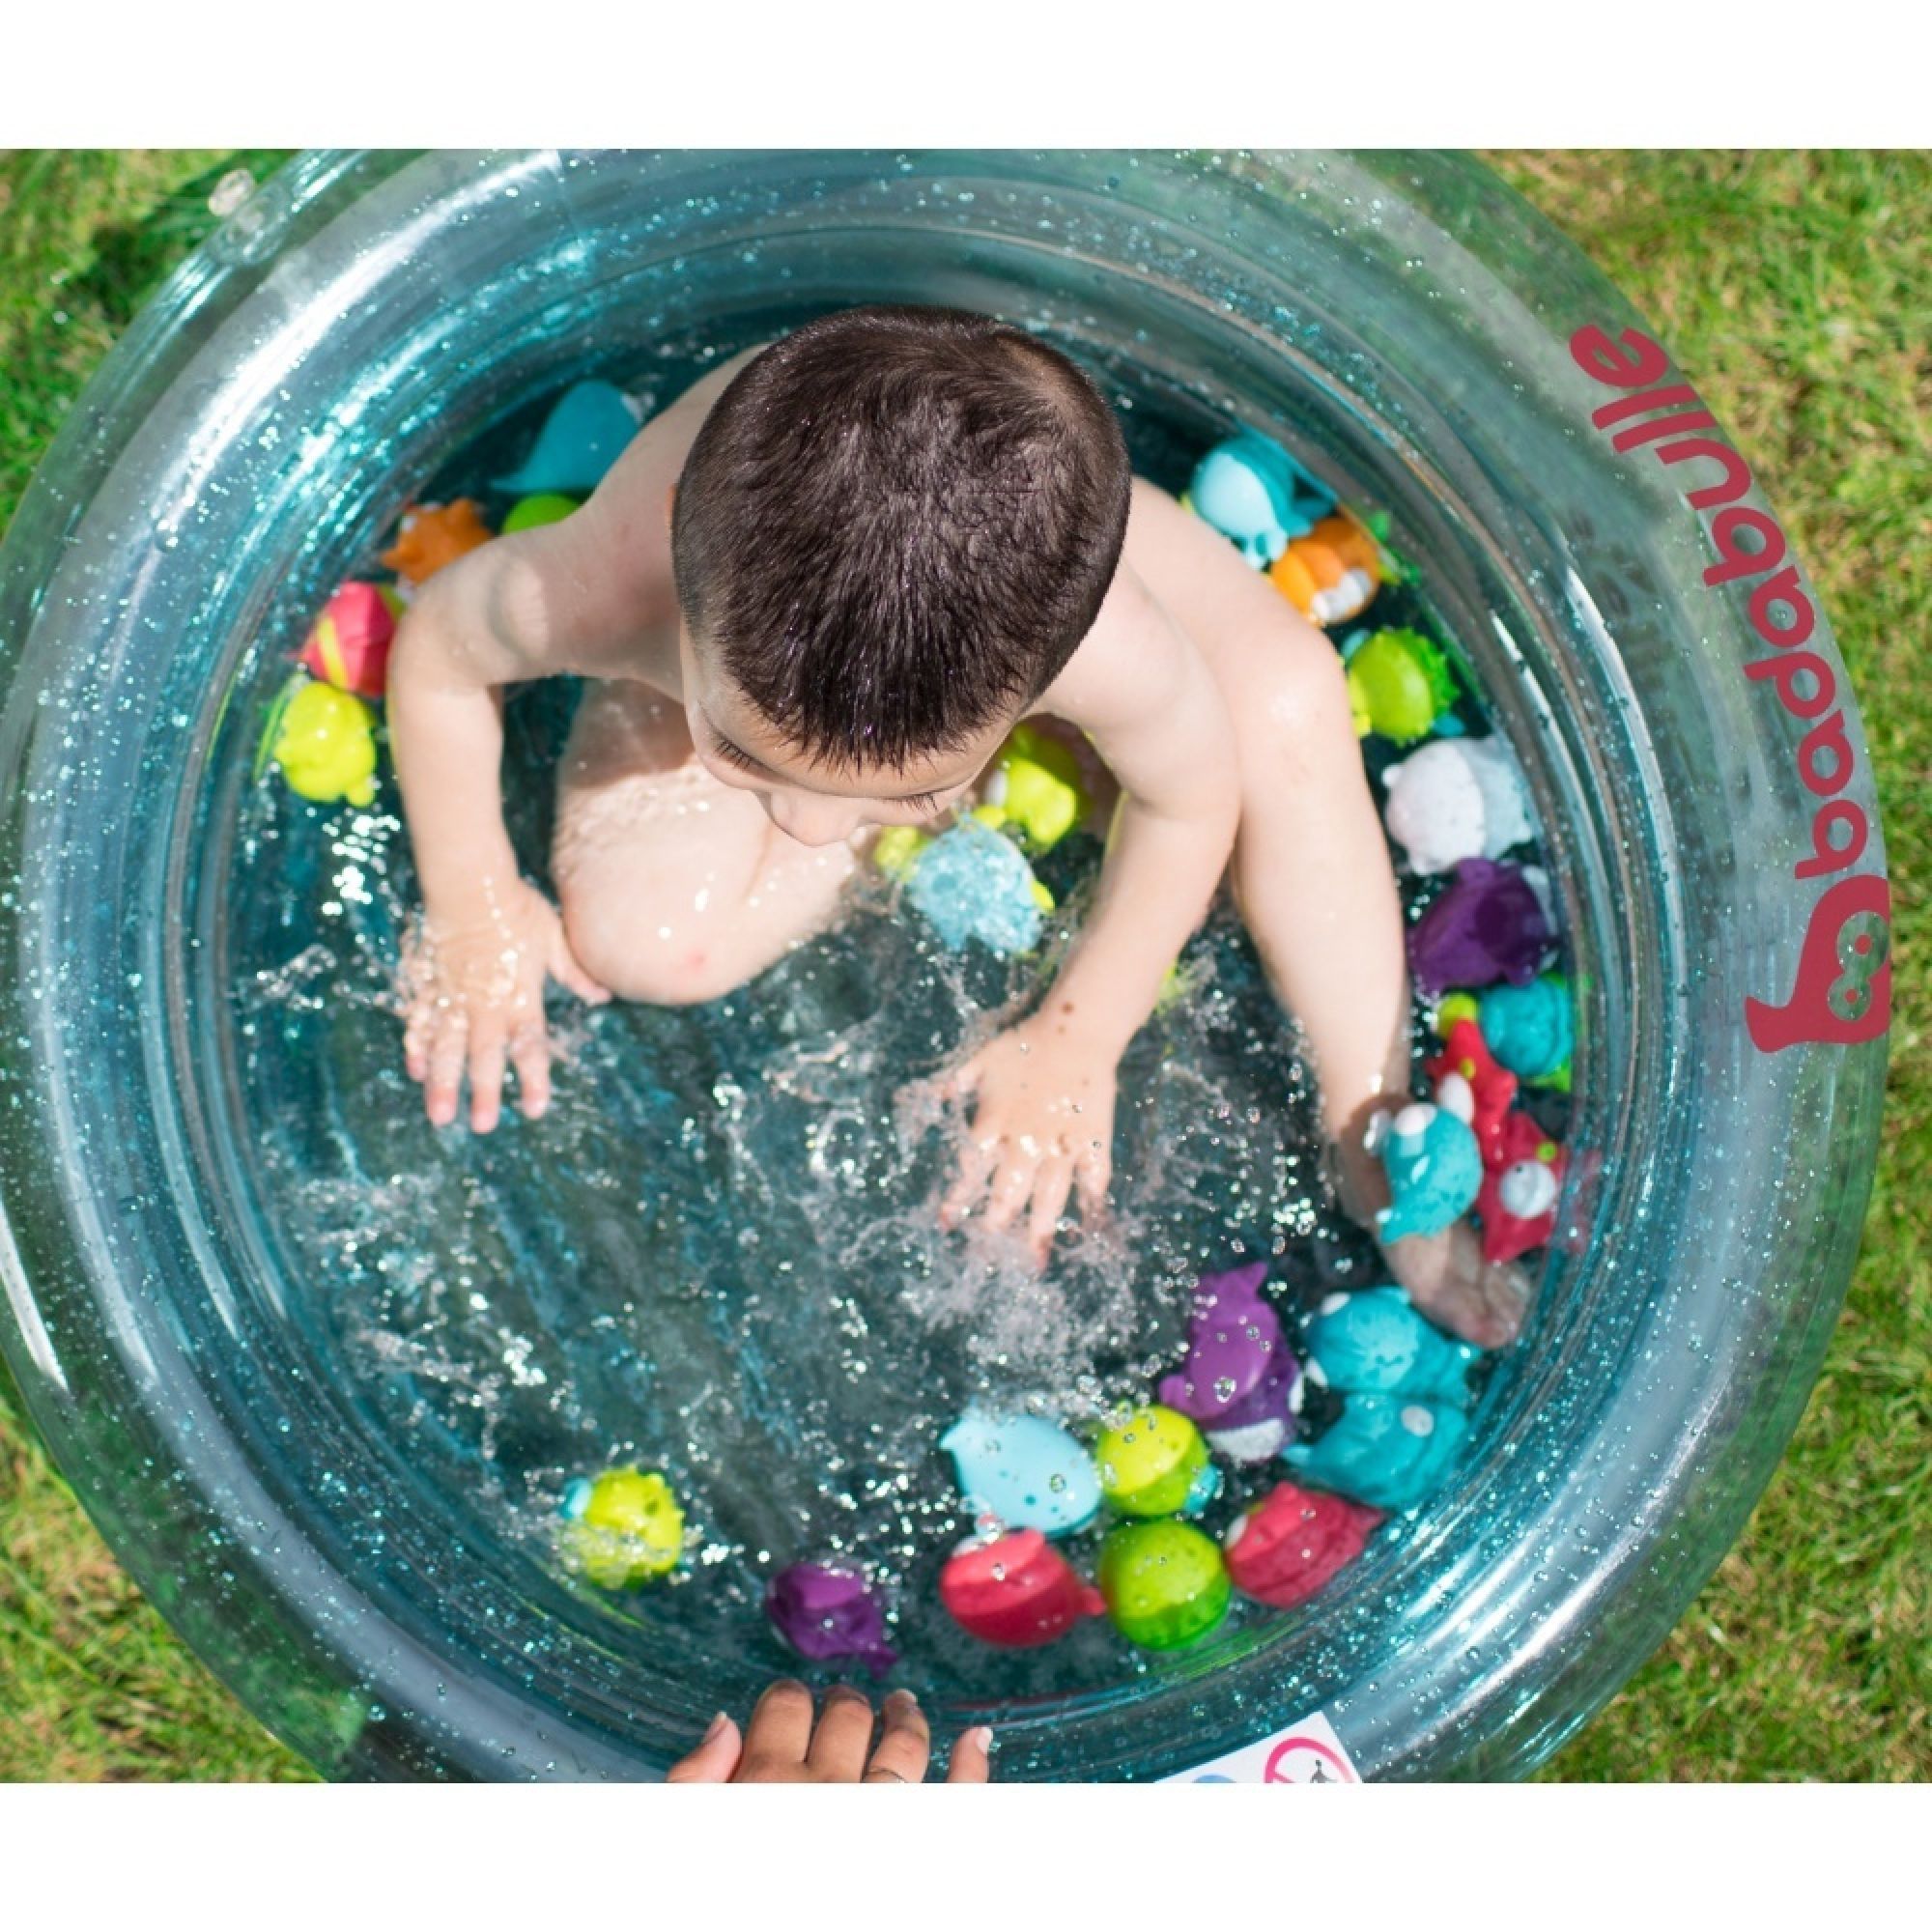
point(1796, 291)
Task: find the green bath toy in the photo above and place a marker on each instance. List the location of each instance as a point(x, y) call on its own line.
point(1165, 1584)
point(621, 1528)
point(1155, 1463)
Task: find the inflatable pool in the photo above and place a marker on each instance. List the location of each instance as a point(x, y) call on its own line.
point(1422, 341)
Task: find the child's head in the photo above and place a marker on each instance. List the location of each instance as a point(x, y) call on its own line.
point(891, 531)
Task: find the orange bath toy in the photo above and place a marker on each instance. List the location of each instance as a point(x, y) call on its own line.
point(431, 536)
point(1332, 573)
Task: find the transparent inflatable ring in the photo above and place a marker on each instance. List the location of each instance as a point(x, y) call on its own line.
point(1423, 341)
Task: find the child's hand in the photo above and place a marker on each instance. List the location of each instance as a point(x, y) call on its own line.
point(1449, 1282)
point(782, 1748)
point(474, 988)
point(1042, 1121)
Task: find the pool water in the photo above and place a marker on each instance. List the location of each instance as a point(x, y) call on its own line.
point(718, 1254)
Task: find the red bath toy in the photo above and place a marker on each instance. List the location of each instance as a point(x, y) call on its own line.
point(1293, 1539)
point(432, 536)
point(350, 644)
point(1018, 1592)
point(1518, 1202)
point(1466, 1056)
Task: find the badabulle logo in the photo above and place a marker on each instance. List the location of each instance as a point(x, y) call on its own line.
point(1842, 993)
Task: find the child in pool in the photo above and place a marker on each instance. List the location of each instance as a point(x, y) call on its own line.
point(815, 595)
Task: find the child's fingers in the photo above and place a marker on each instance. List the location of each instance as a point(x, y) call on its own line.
point(976, 1163)
point(844, 1734)
point(1094, 1173)
point(529, 1054)
point(448, 1048)
point(415, 1040)
point(971, 1764)
point(780, 1728)
point(714, 1760)
point(1010, 1190)
point(487, 1054)
point(962, 1081)
point(1050, 1190)
point(905, 1748)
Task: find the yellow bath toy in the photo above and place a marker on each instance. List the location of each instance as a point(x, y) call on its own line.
point(324, 741)
point(1034, 791)
point(1155, 1463)
point(621, 1528)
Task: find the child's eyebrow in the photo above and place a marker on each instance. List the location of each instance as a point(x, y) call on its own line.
point(738, 755)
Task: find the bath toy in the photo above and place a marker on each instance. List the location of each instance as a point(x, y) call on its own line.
point(1034, 791)
point(1165, 1584)
point(1254, 493)
point(621, 1528)
point(432, 536)
point(1434, 1169)
point(1331, 573)
point(1155, 1463)
point(970, 883)
point(531, 513)
point(1390, 1451)
point(828, 1615)
point(1374, 1340)
point(324, 741)
point(1518, 1202)
point(1399, 685)
point(1467, 1067)
point(587, 429)
point(1457, 798)
point(1239, 1379)
point(1531, 1030)
point(1291, 1542)
point(1023, 1472)
point(1016, 1591)
point(1489, 925)
point(349, 646)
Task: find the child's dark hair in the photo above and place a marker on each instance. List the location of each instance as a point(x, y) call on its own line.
point(897, 524)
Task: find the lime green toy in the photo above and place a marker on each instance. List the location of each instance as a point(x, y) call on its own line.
point(1398, 685)
point(1154, 1464)
point(621, 1528)
point(1165, 1584)
point(533, 512)
point(1034, 791)
point(324, 741)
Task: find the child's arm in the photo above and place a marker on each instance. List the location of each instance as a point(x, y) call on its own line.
point(1045, 1090)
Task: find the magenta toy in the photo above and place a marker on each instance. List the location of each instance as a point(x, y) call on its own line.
point(1238, 1382)
point(1521, 1181)
point(1489, 925)
point(828, 1614)
point(1016, 1591)
point(1293, 1541)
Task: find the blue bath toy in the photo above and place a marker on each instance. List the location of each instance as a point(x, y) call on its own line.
point(1252, 490)
point(1434, 1170)
point(1389, 1450)
point(1024, 1471)
point(972, 883)
point(586, 432)
point(1531, 1029)
point(1374, 1341)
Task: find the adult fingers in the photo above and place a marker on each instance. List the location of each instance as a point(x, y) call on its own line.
point(971, 1764)
point(529, 1054)
point(715, 1758)
point(486, 1073)
point(779, 1731)
point(844, 1734)
point(1050, 1190)
point(905, 1747)
point(976, 1163)
point(448, 1048)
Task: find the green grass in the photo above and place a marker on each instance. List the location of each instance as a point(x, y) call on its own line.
point(1797, 291)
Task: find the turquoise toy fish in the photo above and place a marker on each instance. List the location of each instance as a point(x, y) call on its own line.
point(1392, 1451)
point(1531, 1029)
point(590, 426)
point(973, 883)
point(1374, 1341)
point(1024, 1471)
point(1434, 1170)
point(1253, 491)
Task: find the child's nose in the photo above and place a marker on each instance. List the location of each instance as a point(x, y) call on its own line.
point(814, 821)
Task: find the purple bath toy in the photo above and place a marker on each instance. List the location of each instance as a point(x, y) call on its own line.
point(1489, 925)
point(826, 1614)
point(1239, 1381)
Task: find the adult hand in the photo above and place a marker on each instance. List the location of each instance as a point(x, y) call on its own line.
point(781, 1744)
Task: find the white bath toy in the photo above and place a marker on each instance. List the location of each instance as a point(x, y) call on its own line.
point(1456, 799)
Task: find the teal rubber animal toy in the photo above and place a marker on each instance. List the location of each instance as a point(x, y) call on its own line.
point(1024, 1472)
point(1531, 1030)
point(1255, 493)
point(1434, 1169)
point(973, 884)
point(1374, 1340)
point(1392, 1451)
point(586, 431)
